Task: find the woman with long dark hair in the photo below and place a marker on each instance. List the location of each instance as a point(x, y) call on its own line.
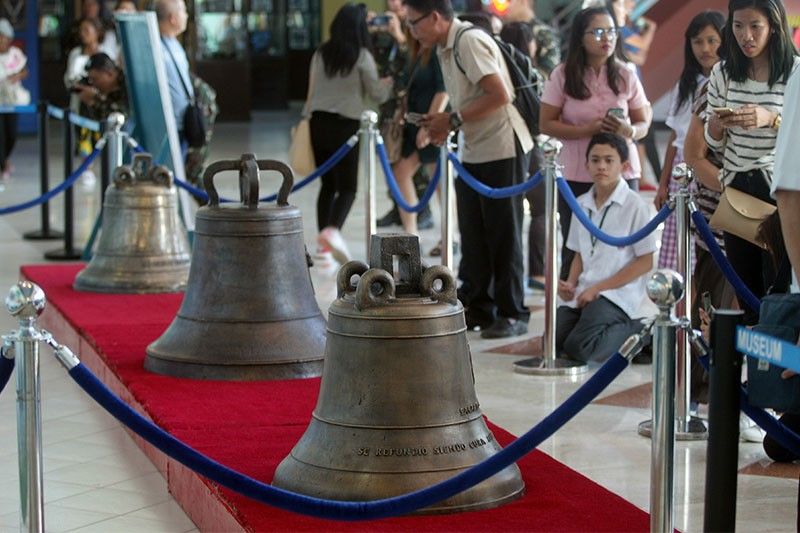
point(592, 91)
point(342, 75)
point(702, 40)
point(745, 93)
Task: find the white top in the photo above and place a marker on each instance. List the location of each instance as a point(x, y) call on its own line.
point(12, 62)
point(627, 213)
point(787, 155)
point(345, 95)
point(745, 149)
point(678, 119)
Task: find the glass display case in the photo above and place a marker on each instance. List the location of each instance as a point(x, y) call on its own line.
point(220, 29)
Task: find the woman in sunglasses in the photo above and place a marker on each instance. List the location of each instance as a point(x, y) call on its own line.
point(592, 91)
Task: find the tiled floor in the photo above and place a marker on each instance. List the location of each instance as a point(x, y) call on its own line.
point(96, 479)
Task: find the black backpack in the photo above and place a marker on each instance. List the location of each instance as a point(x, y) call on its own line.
point(524, 77)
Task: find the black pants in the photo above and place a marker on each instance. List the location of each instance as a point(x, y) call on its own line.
point(536, 236)
point(8, 137)
point(752, 263)
point(491, 242)
point(565, 217)
point(594, 332)
point(329, 132)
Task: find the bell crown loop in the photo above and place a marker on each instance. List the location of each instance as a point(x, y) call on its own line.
point(142, 170)
point(248, 167)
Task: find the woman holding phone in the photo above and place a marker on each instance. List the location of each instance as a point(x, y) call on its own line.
point(745, 94)
point(592, 91)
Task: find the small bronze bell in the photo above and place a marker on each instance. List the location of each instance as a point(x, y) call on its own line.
point(249, 310)
point(143, 246)
point(397, 409)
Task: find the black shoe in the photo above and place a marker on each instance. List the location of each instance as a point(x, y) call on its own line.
point(392, 218)
point(425, 218)
point(505, 327)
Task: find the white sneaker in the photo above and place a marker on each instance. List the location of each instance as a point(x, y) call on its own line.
point(88, 179)
point(331, 238)
point(324, 262)
point(749, 431)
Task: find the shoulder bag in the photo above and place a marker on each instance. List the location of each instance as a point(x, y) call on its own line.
point(301, 151)
point(194, 122)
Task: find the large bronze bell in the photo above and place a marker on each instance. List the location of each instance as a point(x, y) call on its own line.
point(143, 247)
point(249, 310)
point(397, 409)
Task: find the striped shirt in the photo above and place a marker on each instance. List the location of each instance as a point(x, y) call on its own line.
point(745, 150)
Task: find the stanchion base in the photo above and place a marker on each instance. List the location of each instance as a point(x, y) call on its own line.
point(539, 366)
point(63, 254)
point(41, 235)
point(697, 430)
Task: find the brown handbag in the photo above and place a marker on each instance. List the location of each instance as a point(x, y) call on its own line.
point(392, 129)
point(740, 214)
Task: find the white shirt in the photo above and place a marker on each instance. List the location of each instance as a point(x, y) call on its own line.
point(627, 213)
point(678, 119)
point(787, 155)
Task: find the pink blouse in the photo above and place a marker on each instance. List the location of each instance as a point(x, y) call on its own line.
point(581, 112)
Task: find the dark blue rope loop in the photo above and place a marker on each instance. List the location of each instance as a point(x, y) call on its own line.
point(323, 168)
point(776, 429)
point(646, 230)
point(489, 192)
point(348, 510)
point(6, 368)
point(391, 181)
point(742, 290)
point(63, 186)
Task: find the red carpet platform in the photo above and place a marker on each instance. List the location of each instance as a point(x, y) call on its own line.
point(252, 426)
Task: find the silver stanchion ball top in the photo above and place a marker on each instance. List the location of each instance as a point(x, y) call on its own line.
point(25, 300)
point(665, 287)
point(115, 121)
point(369, 117)
point(682, 173)
point(551, 147)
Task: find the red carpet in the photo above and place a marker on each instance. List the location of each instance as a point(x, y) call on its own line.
point(251, 426)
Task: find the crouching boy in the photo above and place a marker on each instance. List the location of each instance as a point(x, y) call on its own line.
point(606, 284)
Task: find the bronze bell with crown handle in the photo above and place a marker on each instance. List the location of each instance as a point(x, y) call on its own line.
point(249, 311)
point(397, 409)
point(143, 247)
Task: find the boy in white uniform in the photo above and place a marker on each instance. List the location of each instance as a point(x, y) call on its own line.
point(606, 284)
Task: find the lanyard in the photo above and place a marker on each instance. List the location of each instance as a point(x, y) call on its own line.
point(600, 226)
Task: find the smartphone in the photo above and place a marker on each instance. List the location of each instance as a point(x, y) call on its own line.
point(414, 118)
point(616, 112)
point(722, 111)
point(379, 20)
point(707, 307)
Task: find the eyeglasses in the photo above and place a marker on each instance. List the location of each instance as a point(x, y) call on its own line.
point(609, 33)
point(411, 23)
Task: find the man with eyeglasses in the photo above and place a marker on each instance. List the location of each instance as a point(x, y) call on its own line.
point(496, 151)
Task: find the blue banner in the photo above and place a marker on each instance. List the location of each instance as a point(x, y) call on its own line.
point(765, 347)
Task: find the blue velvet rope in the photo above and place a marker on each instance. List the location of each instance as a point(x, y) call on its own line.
point(63, 186)
point(742, 290)
point(489, 192)
point(348, 510)
point(323, 168)
point(17, 109)
point(83, 122)
point(648, 228)
point(774, 427)
point(395, 190)
point(6, 368)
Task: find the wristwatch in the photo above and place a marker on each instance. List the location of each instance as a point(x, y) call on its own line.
point(455, 120)
point(776, 124)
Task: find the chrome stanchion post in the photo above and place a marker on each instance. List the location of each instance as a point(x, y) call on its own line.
point(686, 426)
point(114, 145)
point(549, 364)
point(664, 288)
point(448, 197)
point(26, 301)
point(367, 168)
